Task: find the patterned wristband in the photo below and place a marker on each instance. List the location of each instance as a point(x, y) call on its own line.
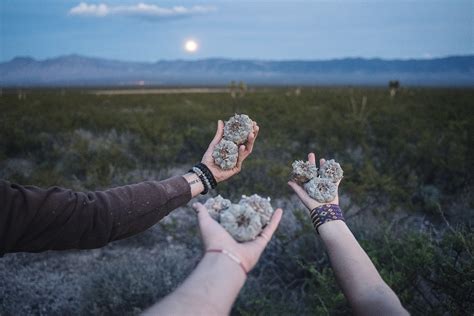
point(325, 213)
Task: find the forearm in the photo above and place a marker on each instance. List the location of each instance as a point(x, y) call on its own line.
point(360, 281)
point(34, 219)
point(211, 289)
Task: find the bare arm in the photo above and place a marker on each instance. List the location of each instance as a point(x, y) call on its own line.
point(213, 286)
point(360, 281)
point(211, 289)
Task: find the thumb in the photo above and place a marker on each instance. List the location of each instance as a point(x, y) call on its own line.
point(304, 197)
point(298, 190)
point(219, 133)
point(202, 214)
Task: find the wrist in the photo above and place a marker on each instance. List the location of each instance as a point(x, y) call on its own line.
point(232, 256)
point(333, 232)
point(216, 173)
point(205, 175)
point(324, 214)
point(195, 183)
point(224, 281)
point(212, 287)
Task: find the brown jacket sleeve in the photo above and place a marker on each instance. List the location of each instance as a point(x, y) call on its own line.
point(34, 219)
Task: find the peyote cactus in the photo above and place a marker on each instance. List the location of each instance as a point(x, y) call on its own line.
point(260, 205)
point(225, 154)
point(331, 170)
point(242, 222)
point(216, 205)
point(238, 128)
point(321, 189)
point(303, 171)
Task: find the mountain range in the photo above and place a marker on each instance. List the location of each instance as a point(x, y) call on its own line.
point(76, 70)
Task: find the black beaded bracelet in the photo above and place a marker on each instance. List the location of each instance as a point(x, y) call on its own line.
point(325, 213)
point(208, 174)
point(203, 179)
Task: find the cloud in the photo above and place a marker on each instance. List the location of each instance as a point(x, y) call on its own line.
point(90, 9)
point(139, 10)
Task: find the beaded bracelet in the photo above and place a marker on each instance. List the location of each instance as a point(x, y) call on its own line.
point(205, 182)
point(325, 213)
point(208, 174)
point(206, 177)
point(231, 256)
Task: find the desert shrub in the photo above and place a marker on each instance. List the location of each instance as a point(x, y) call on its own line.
point(132, 281)
point(408, 156)
point(431, 274)
point(30, 285)
point(421, 136)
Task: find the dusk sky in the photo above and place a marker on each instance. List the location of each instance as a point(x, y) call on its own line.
point(150, 30)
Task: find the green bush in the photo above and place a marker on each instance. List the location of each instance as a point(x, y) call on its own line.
point(407, 158)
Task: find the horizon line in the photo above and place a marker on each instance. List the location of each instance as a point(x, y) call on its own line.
point(234, 59)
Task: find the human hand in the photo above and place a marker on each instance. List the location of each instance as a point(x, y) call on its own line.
point(244, 151)
point(309, 202)
point(214, 236)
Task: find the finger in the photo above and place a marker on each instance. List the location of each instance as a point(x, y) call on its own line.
point(202, 214)
point(198, 208)
point(250, 142)
point(304, 197)
point(241, 157)
point(265, 237)
point(256, 129)
point(270, 229)
point(219, 134)
point(298, 189)
point(312, 158)
point(321, 162)
point(206, 223)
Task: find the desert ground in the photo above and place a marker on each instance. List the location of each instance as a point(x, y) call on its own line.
point(407, 192)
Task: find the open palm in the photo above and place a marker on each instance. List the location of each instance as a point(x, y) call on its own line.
point(309, 202)
point(214, 236)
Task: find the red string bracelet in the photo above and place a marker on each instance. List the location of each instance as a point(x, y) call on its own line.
point(231, 256)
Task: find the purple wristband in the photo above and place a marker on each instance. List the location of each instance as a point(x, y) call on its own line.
point(325, 213)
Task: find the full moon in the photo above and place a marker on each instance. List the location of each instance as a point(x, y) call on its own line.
point(191, 46)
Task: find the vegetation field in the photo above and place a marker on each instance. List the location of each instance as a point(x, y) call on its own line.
point(407, 193)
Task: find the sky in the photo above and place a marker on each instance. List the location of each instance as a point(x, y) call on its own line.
point(149, 30)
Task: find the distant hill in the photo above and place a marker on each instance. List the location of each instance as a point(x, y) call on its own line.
point(75, 70)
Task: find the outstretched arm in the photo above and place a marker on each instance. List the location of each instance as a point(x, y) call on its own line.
point(360, 281)
point(34, 219)
point(213, 286)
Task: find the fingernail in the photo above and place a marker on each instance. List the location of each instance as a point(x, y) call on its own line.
point(195, 205)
